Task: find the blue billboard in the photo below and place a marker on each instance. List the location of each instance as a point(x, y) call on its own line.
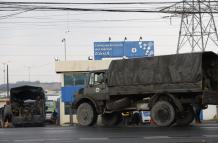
point(129, 49)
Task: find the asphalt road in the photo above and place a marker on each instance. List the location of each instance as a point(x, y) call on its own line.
point(205, 133)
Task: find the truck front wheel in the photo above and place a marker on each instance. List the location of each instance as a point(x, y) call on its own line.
point(163, 113)
point(86, 114)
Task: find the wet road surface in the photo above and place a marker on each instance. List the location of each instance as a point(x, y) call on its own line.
point(205, 133)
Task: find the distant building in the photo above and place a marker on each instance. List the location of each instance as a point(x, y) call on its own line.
point(3, 95)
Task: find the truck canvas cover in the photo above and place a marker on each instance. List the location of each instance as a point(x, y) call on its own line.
point(26, 92)
point(27, 104)
point(179, 71)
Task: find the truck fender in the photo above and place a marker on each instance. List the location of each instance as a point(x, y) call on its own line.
point(176, 101)
point(88, 100)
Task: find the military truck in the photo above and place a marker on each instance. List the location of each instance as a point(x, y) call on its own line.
point(168, 86)
point(27, 105)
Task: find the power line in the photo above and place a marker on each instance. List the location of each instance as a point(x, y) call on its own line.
point(13, 14)
point(90, 3)
point(85, 20)
point(52, 8)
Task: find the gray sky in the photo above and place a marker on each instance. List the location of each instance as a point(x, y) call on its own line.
point(33, 39)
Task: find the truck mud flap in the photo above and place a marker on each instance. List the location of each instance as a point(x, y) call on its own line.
point(210, 97)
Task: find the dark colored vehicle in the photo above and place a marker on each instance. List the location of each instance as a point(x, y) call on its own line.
point(27, 105)
point(1, 116)
point(168, 86)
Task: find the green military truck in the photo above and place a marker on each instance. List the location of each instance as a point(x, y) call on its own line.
point(27, 105)
point(168, 86)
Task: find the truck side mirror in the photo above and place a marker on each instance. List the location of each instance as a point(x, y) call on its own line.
point(46, 107)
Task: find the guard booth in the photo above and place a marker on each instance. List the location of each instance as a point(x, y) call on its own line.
point(74, 75)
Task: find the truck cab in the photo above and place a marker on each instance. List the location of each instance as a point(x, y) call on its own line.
point(96, 88)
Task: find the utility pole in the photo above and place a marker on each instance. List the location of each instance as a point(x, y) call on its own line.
point(5, 71)
point(4, 75)
point(197, 26)
point(29, 68)
point(7, 82)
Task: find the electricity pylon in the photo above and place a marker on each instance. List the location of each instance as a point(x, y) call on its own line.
point(197, 27)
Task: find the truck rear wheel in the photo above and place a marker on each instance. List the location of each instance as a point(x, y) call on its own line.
point(111, 119)
point(86, 114)
point(186, 117)
point(163, 113)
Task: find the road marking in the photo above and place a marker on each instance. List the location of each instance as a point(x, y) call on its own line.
point(30, 140)
point(157, 137)
point(4, 141)
point(174, 137)
point(209, 127)
point(93, 139)
point(66, 141)
point(210, 136)
point(57, 131)
point(60, 140)
point(40, 140)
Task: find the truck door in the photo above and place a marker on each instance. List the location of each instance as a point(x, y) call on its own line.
point(97, 86)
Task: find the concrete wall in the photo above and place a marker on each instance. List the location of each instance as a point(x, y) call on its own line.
point(65, 119)
point(210, 112)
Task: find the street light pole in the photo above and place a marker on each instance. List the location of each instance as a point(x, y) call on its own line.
point(124, 46)
point(7, 83)
point(65, 48)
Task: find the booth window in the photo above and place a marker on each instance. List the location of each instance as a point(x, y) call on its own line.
point(73, 79)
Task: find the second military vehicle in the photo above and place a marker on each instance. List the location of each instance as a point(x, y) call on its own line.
point(27, 105)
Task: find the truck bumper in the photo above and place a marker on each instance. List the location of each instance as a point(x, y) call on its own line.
point(210, 97)
point(36, 119)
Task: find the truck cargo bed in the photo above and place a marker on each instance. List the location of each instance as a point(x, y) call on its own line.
point(192, 72)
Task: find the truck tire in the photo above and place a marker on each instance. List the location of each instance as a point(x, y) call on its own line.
point(163, 113)
point(111, 119)
point(186, 117)
point(86, 114)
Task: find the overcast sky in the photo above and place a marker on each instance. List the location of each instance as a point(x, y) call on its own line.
point(33, 39)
